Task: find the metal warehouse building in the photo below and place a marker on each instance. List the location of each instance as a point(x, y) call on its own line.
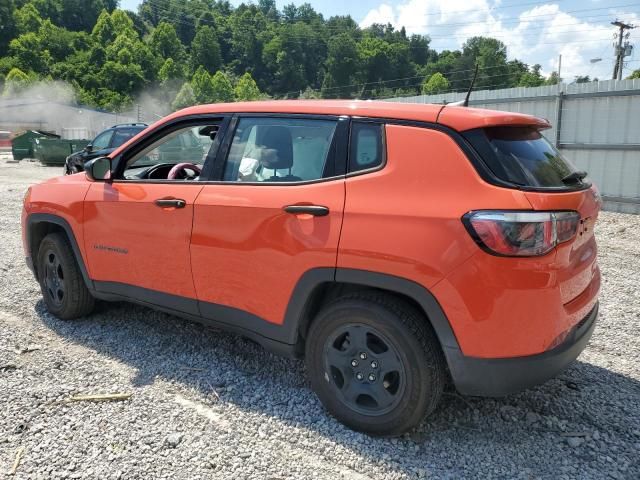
point(68, 121)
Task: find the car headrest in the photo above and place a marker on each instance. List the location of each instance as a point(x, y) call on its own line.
point(277, 138)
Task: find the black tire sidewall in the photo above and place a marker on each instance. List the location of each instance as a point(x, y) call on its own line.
point(418, 376)
point(69, 308)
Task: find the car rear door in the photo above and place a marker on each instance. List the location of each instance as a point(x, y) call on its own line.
point(273, 215)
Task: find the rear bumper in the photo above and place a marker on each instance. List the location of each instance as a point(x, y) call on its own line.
point(494, 377)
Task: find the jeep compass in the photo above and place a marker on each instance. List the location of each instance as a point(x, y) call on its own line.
point(394, 247)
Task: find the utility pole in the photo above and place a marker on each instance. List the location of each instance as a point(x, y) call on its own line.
point(559, 68)
point(620, 50)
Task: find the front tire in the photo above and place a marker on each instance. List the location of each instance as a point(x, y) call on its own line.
point(375, 363)
point(63, 289)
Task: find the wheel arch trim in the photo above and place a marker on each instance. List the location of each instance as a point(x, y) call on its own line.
point(409, 288)
point(418, 293)
point(37, 218)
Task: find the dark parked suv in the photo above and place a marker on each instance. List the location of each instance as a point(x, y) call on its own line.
point(105, 143)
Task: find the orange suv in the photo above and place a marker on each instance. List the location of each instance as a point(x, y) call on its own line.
point(395, 247)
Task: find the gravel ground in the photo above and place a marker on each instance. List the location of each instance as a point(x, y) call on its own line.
point(206, 404)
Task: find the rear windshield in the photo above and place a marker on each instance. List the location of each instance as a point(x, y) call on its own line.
point(124, 134)
point(521, 155)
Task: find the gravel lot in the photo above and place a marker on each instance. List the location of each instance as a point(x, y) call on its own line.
point(206, 404)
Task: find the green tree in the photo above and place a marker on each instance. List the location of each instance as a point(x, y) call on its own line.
point(15, 82)
point(634, 75)
point(185, 97)
point(248, 28)
point(103, 31)
point(436, 83)
point(532, 78)
point(582, 79)
point(222, 90)
point(517, 70)
point(342, 66)
point(81, 15)
point(491, 57)
point(310, 94)
point(246, 89)
point(27, 19)
point(123, 24)
point(125, 78)
point(28, 54)
point(375, 59)
point(165, 43)
point(205, 50)
point(8, 29)
point(293, 63)
point(170, 71)
point(553, 79)
point(202, 86)
point(420, 51)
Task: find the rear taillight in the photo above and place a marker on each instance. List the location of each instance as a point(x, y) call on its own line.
point(520, 234)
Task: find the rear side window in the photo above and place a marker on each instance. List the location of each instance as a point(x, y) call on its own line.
point(522, 155)
point(366, 150)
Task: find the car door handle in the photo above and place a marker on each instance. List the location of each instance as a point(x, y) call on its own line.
point(315, 210)
point(170, 203)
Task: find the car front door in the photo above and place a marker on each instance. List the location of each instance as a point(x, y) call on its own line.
point(273, 216)
point(138, 227)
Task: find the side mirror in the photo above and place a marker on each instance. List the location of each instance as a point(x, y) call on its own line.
point(98, 169)
point(88, 148)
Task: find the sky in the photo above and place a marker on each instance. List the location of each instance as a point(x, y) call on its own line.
point(534, 31)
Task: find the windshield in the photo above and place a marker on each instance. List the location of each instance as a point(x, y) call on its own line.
point(522, 155)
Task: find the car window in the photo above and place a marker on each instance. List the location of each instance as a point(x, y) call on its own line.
point(366, 146)
point(102, 140)
point(521, 155)
point(279, 150)
point(189, 145)
point(122, 135)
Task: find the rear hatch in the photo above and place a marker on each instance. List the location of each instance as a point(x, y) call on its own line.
point(521, 157)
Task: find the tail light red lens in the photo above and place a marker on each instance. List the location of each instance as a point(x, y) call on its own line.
point(521, 234)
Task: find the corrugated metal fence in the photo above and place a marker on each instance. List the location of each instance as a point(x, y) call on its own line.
point(596, 125)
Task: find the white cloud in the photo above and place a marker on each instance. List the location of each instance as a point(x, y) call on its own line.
point(536, 35)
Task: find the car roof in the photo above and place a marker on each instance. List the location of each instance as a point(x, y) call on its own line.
point(455, 117)
point(458, 118)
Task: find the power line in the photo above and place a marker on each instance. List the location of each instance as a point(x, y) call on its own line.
point(171, 14)
point(530, 32)
point(381, 83)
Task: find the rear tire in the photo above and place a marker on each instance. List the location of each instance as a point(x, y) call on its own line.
point(63, 289)
point(375, 363)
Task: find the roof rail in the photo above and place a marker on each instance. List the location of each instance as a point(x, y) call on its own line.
point(133, 124)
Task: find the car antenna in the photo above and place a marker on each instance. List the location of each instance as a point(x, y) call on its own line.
point(465, 102)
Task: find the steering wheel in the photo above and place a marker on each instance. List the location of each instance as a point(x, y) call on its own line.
point(178, 172)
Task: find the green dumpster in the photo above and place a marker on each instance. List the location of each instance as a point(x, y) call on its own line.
point(54, 151)
point(22, 144)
